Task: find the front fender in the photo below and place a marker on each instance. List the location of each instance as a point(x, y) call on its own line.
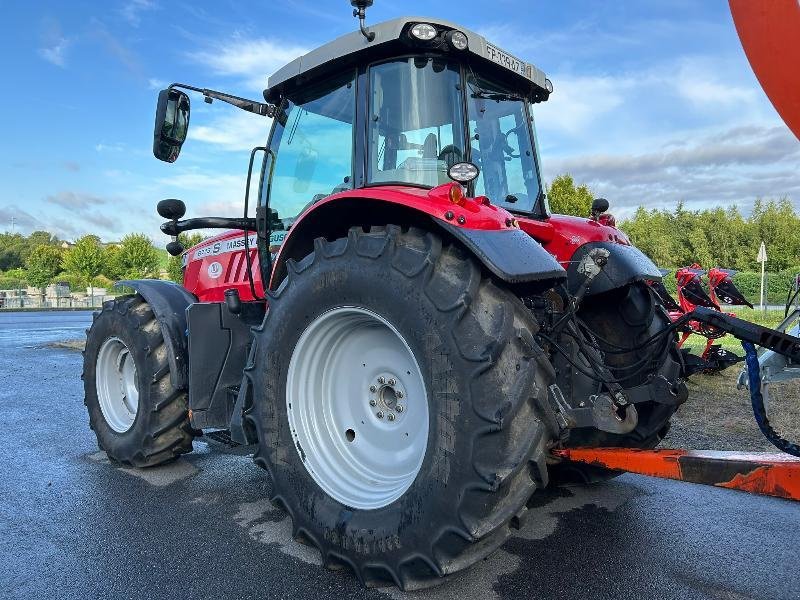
point(169, 302)
point(488, 231)
point(626, 264)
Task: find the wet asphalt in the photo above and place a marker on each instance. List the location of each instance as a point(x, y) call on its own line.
point(74, 526)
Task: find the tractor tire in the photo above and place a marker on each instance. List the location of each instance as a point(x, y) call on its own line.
point(139, 418)
point(410, 498)
point(623, 316)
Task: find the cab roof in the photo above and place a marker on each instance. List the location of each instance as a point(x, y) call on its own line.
point(392, 38)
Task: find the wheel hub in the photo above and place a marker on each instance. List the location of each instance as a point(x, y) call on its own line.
point(387, 398)
point(116, 385)
point(357, 407)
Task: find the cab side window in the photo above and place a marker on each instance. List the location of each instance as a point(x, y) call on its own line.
point(313, 143)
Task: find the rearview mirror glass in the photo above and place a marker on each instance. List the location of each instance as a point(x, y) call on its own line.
point(172, 123)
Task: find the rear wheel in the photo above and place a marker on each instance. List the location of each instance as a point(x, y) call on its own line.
point(397, 394)
point(623, 318)
point(139, 418)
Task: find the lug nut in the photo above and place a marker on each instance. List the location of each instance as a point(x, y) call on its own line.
point(373, 389)
point(399, 394)
point(372, 403)
point(381, 380)
point(392, 382)
point(399, 408)
point(379, 414)
point(390, 416)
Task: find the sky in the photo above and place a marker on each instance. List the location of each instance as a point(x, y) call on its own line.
point(654, 102)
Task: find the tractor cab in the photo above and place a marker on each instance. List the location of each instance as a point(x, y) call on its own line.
point(402, 106)
point(405, 106)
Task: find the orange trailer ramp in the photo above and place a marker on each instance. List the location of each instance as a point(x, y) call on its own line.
point(758, 473)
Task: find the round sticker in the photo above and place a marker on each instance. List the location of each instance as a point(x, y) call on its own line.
point(214, 270)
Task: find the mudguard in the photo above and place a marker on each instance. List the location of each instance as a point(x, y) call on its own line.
point(485, 229)
point(511, 254)
point(626, 264)
point(169, 302)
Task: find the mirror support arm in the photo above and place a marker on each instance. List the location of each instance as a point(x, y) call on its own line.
point(258, 108)
point(176, 227)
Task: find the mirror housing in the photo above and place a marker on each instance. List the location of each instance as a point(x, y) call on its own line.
point(172, 123)
point(599, 206)
point(171, 208)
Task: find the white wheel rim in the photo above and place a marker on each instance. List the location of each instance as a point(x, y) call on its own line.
point(117, 389)
point(357, 407)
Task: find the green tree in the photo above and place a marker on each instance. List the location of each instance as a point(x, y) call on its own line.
point(43, 263)
point(85, 258)
point(15, 248)
point(111, 264)
point(566, 198)
point(137, 258)
point(175, 263)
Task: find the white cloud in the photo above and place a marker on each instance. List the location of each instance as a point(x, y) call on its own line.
point(156, 84)
point(55, 53)
point(714, 168)
point(251, 60)
point(709, 84)
point(114, 147)
point(235, 131)
point(75, 200)
point(133, 9)
point(579, 100)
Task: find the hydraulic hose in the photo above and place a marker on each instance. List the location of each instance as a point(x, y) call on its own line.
point(757, 400)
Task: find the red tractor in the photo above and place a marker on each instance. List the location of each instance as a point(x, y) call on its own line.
point(404, 331)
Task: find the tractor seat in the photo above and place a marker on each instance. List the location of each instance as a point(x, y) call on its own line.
point(430, 149)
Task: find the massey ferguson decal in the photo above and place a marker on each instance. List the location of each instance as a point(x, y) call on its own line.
point(224, 246)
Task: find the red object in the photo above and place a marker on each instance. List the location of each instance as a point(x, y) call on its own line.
point(561, 235)
point(770, 34)
point(758, 473)
point(218, 264)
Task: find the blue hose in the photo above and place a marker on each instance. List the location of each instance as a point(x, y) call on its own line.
point(757, 400)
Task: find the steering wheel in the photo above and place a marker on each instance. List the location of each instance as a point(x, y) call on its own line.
point(506, 147)
point(451, 154)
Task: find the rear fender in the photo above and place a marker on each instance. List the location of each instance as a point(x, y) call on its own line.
point(487, 231)
point(626, 264)
point(169, 302)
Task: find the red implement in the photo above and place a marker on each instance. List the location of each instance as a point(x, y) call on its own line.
point(758, 473)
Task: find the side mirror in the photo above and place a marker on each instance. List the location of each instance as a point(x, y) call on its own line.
point(599, 206)
point(172, 123)
point(171, 208)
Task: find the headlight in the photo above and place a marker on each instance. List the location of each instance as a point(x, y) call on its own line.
point(458, 40)
point(423, 31)
point(463, 172)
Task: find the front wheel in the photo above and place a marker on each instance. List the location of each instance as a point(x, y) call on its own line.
point(397, 400)
point(140, 419)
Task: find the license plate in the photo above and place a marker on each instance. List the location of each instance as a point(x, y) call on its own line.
point(506, 60)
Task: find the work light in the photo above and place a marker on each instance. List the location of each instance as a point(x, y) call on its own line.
point(423, 31)
point(457, 39)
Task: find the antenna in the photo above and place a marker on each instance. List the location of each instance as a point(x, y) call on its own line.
point(12, 225)
point(360, 10)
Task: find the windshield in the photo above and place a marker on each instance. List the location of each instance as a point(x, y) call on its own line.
point(416, 131)
point(501, 146)
point(416, 121)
